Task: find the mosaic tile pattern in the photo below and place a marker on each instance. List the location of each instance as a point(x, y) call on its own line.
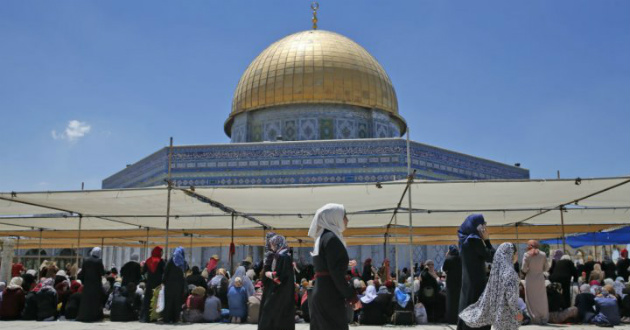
point(314, 122)
point(307, 162)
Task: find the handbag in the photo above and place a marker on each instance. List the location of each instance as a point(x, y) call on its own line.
point(160, 302)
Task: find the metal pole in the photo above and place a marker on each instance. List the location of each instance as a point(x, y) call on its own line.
point(168, 201)
point(39, 252)
point(516, 227)
point(103, 249)
point(564, 240)
point(17, 249)
point(231, 245)
point(396, 249)
point(146, 251)
point(79, 240)
point(410, 210)
point(191, 247)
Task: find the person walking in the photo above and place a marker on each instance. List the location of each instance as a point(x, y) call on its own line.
point(498, 305)
point(475, 250)
point(327, 305)
point(534, 266)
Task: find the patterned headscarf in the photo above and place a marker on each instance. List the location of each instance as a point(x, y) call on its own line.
point(469, 229)
point(179, 258)
point(281, 248)
point(268, 252)
point(329, 216)
point(498, 305)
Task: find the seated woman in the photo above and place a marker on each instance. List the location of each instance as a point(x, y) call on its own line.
point(374, 310)
point(194, 305)
point(429, 294)
point(212, 307)
point(237, 301)
point(558, 311)
point(403, 308)
point(607, 305)
point(585, 303)
point(46, 299)
point(13, 299)
point(125, 304)
point(72, 306)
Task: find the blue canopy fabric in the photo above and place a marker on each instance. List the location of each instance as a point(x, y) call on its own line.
point(613, 237)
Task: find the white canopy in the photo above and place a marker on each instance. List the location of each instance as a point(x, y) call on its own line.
point(601, 202)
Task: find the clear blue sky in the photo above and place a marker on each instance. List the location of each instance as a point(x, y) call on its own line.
point(544, 83)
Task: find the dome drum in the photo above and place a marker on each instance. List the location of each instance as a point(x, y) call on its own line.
point(314, 122)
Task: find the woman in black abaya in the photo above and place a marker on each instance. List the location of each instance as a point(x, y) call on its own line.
point(277, 309)
point(174, 286)
point(453, 269)
point(475, 250)
point(327, 302)
point(91, 310)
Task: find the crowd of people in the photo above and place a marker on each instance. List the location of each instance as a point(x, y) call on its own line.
point(478, 287)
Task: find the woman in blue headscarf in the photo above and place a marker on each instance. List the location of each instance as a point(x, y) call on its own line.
point(174, 286)
point(475, 251)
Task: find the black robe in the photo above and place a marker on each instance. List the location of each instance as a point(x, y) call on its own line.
point(174, 290)
point(622, 268)
point(72, 307)
point(131, 272)
point(91, 310)
point(562, 273)
point(277, 306)
point(453, 268)
point(474, 256)
point(378, 312)
point(152, 281)
point(327, 305)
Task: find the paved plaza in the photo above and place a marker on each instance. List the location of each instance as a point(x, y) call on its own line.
point(71, 325)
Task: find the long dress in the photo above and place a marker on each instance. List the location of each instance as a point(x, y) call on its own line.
point(174, 290)
point(277, 303)
point(474, 255)
point(535, 290)
point(91, 310)
point(498, 304)
point(453, 268)
point(153, 279)
point(327, 302)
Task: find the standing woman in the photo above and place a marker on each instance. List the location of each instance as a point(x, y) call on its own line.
point(153, 271)
point(91, 310)
point(498, 306)
point(327, 302)
point(475, 250)
point(174, 286)
point(453, 269)
point(278, 304)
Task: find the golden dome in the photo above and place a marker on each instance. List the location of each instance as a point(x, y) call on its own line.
point(314, 66)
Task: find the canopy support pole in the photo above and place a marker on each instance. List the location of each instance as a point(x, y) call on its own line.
point(79, 240)
point(516, 229)
point(39, 251)
point(191, 247)
point(17, 250)
point(564, 239)
point(146, 251)
point(396, 251)
point(231, 251)
point(409, 184)
point(169, 184)
point(103, 245)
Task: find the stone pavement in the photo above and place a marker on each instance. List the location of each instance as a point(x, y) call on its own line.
point(71, 325)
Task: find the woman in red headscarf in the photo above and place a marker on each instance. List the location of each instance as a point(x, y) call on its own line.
point(153, 270)
point(623, 263)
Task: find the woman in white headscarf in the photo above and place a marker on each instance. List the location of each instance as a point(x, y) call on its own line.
point(498, 305)
point(92, 271)
point(330, 259)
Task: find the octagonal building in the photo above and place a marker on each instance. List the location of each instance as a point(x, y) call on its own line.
point(314, 107)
